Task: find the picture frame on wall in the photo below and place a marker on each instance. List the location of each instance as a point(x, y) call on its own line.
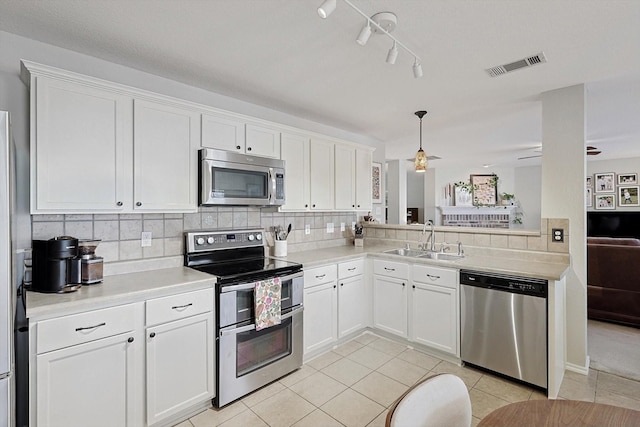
point(627, 179)
point(589, 182)
point(484, 189)
point(605, 182)
point(589, 197)
point(462, 196)
point(376, 182)
point(628, 196)
point(605, 201)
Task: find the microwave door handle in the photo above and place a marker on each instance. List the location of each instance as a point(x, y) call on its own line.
point(272, 191)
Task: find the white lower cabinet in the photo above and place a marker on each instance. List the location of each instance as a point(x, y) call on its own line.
point(180, 353)
point(320, 308)
point(352, 297)
point(390, 296)
point(434, 308)
point(91, 377)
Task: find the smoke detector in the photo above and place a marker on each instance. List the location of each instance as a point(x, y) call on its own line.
point(517, 65)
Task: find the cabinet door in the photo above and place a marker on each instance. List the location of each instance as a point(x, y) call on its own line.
point(351, 310)
point(80, 148)
point(262, 141)
point(363, 180)
point(320, 316)
point(222, 132)
point(180, 366)
point(165, 150)
point(90, 384)
point(390, 305)
point(322, 177)
point(294, 150)
point(434, 316)
point(345, 167)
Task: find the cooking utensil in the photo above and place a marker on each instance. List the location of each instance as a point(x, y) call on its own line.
point(288, 231)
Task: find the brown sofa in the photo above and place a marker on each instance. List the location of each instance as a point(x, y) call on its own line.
point(613, 279)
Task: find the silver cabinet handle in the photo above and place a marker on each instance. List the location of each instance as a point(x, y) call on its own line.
point(178, 307)
point(433, 277)
point(84, 328)
point(320, 276)
point(119, 204)
point(138, 203)
point(390, 269)
point(351, 269)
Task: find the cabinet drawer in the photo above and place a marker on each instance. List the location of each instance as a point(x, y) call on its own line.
point(174, 307)
point(66, 331)
point(435, 275)
point(392, 269)
point(350, 268)
point(317, 276)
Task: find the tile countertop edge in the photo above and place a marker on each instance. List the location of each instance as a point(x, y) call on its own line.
point(522, 268)
point(117, 290)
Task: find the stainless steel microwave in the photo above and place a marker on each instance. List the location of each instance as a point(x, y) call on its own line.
point(228, 178)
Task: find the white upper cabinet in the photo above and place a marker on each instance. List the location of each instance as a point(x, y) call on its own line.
point(345, 164)
point(80, 147)
point(166, 140)
point(322, 175)
point(294, 150)
point(231, 133)
point(363, 179)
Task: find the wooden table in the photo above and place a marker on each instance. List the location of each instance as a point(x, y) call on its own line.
point(540, 413)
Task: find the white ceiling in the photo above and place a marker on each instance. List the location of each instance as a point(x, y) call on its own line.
point(280, 54)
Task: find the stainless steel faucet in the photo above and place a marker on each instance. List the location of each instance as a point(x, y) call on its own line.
point(431, 238)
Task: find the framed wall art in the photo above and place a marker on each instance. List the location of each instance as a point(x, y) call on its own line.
point(628, 196)
point(376, 182)
point(605, 182)
point(485, 189)
point(589, 198)
point(589, 182)
point(627, 179)
point(462, 195)
point(605, 201)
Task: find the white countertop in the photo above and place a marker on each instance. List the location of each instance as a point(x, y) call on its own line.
point(140, 286)
point(116, 290)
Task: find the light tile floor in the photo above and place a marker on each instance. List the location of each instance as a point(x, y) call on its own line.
point(354, 384)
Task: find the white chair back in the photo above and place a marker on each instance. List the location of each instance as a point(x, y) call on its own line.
point(438, 401)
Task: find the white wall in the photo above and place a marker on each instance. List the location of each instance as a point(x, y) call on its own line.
point(528, 192)
point(396, 192)
point(563, 181)
point(415, 190)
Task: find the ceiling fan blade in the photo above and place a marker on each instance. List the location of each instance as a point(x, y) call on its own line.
point(528, 157)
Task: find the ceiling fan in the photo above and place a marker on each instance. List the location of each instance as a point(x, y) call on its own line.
point(591, 151)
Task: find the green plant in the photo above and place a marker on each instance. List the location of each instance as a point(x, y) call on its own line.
point(507, 196)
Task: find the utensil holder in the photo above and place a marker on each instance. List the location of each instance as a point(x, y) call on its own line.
point(280, 248)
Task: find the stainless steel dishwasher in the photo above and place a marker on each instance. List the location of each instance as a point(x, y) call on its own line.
point(504, 325)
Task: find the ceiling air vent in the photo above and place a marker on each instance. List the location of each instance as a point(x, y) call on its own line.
point(516, 65)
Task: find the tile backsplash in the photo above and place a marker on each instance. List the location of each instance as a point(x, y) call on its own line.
point(121, 234)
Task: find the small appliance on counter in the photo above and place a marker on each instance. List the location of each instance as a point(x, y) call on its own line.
point(87, 267)
point(52, 265)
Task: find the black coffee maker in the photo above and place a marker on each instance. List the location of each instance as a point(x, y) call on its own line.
point(51, 265)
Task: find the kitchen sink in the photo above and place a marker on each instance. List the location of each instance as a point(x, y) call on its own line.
point(405, 252)
point(442, 256)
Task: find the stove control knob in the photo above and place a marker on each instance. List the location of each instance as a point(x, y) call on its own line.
point(200, 241)
point(251, 237)
point(210, 240)
point(259, 236)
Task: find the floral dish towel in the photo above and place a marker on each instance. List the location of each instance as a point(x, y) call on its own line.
point(267, 303)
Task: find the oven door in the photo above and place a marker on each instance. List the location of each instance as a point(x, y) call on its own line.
point(237, 302)
point(249, 359)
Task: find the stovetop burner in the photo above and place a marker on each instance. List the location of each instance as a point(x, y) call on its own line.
point(234, 256)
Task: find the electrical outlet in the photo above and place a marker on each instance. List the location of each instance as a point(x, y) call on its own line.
point(146, 239)
point(343, 226)
point(557, 235)
point(329, 227)
point(307, 229)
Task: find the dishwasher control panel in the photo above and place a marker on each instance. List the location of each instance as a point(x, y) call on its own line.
point(504, 282)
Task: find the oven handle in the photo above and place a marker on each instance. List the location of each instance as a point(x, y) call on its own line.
point(248, 286)
point(233, 330)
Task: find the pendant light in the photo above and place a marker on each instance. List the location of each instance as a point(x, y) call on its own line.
point(421, 158)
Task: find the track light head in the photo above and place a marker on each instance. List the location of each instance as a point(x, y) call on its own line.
point(326, 8)
point(417, 69)
point(393, 54)
point(364, 35)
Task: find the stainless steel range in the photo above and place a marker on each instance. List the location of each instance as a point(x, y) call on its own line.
point(247, 358)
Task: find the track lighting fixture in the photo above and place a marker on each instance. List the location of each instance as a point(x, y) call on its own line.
point(326, 8)
point(420, 161)
point(379, 23)
point(393, 54)
point(364, 35)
